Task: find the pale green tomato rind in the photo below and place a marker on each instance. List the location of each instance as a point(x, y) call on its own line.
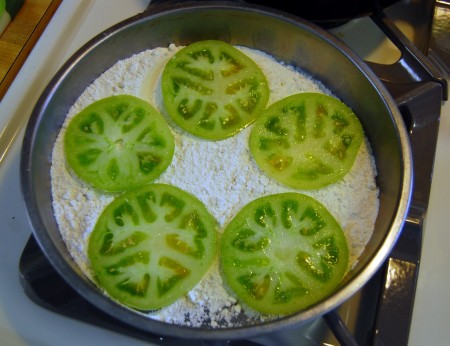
point(307, 140)
point(118, 143)
point(212, 90)
point(283, 253)
point(151, 245)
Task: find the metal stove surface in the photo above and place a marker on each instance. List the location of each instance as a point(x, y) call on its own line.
point(23, 322)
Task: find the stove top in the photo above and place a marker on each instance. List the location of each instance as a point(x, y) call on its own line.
point(421, 108)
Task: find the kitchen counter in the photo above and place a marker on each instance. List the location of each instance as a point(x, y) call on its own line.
point(20, 36)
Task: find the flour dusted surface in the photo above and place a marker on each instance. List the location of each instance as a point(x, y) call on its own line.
point(221, 174)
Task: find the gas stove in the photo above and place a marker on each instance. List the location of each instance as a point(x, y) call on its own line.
point(397, 306)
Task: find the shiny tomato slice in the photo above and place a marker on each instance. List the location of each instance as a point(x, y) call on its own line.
point(118, 143)
point(212, 90)
point(307, 140)
point(151, 245)
point(283, 253)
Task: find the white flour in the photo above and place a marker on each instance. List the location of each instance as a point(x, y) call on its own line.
point(221, 174)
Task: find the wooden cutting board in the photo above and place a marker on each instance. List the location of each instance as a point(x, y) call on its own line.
point(19, 38)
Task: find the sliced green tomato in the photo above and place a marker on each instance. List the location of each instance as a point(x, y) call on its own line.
point(151, 245)
point(212, 90)
point(307, 140)
point(283, 253)
point(118, 143)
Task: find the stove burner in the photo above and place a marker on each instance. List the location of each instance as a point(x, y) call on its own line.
point(384, 305)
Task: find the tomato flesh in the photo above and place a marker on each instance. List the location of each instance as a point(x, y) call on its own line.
point(118, 143)
point(307, 140)
point(283, 253)
point(151, 245)
point(212, 90)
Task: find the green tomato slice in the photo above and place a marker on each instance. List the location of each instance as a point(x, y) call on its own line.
point(151, 245)
point(118, 143)
point(307, 140)
point(212, 90)
point(283, 253)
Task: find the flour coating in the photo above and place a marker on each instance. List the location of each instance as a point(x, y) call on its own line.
point(221, 174)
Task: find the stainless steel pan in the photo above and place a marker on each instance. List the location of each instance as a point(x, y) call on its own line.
point(287, 38)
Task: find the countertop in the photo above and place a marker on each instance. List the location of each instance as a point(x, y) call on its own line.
point(20, 36)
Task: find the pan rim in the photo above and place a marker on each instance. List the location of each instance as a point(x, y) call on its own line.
point(90, 291)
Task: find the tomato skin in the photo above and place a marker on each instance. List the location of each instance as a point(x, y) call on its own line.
point(151, 245)
point(306, 141)
point(212, 90)
point(118, 143)
point(283, 253)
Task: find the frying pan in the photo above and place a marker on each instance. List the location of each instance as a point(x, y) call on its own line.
point(287, 38)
